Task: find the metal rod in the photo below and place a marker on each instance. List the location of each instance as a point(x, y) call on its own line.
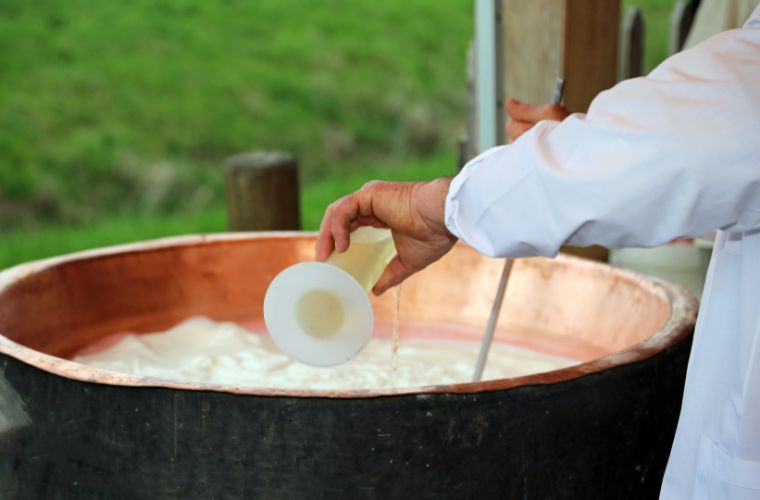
point(485, 345)
point(559, 90)
point(485, 71)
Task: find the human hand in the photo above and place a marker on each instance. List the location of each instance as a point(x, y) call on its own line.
point(413, 211)
point(523, 116)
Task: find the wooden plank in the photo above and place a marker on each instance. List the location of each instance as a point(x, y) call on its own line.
point(591, 50)
point(631, 59)
point(533, 47)
point(575, 39)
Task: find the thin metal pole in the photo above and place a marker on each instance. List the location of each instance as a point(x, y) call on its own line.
point(485, 345)
point(485, 74)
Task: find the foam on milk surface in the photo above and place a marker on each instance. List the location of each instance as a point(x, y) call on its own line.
point(201, 350)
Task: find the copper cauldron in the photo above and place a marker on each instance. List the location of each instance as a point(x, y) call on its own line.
point(599, 429)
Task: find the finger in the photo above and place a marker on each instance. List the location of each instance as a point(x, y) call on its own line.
point(517, 109)
point(517, 128)
point(511, 104)
point(371, 221)
point(534, 113)
point(523, 112)
point(365, 221)
point(325, 242)
point(359, 206)
point(355, 224)
point(556, 112)
point(345, 211)
point(345, 216)
point(395, 272)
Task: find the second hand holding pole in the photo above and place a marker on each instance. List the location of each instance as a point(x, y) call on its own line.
point(485, 346)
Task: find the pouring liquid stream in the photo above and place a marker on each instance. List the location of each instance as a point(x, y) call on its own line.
point(394, 334)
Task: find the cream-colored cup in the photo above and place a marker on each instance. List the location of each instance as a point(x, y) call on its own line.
point(319, 312)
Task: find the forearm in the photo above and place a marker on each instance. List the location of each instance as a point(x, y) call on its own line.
point(655, 159)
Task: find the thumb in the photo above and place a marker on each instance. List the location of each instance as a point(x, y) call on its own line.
point(395, 272)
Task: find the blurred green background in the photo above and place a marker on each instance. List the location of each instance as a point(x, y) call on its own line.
point(115, 116)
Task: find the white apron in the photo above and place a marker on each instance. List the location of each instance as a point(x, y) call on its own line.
point(716, 453)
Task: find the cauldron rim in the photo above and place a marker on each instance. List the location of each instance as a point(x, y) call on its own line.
point(678, 327)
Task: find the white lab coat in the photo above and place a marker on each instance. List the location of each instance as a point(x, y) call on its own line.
point(673, 154)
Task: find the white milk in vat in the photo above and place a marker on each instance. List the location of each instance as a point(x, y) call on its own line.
point(201, 350)
point(320, 304)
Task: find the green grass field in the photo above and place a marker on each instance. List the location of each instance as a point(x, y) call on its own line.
point(24, 245)
point(116, 116)
point(112, 107)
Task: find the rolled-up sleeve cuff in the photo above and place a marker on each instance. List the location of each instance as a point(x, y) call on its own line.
point(494, 203)
point(452, 198)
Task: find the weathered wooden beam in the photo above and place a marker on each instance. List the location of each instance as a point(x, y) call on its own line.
point(574, 39)
point(262, 191)
point(631, 58)
point(463, 155)
point(681, 19)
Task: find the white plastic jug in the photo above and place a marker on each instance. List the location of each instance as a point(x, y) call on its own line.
point(319, 312)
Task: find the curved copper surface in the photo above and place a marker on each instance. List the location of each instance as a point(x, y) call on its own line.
point(593, 312)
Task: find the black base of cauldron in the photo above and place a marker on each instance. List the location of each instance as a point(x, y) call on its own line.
point(603, 436)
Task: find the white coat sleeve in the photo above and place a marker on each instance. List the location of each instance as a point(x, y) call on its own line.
point(673, 154)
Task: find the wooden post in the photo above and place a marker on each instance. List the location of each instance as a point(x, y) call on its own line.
point(262, 191)
point(631, 57)
point(681, 19)
point(463, 155)
point(573, 39)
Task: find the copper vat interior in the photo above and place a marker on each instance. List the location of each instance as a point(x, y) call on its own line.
point(566, 306)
